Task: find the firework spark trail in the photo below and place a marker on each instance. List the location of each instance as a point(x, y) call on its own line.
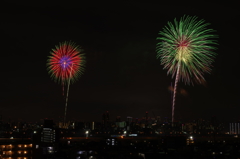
point(65, 112)
point(175, 91)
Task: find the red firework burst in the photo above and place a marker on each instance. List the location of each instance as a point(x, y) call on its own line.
point(66, 62)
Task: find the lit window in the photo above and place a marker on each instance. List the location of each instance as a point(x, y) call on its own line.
point(25, 152)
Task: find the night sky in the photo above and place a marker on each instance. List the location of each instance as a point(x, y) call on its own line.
point(122, 73)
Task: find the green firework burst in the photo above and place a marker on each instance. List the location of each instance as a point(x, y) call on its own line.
point(187, 45)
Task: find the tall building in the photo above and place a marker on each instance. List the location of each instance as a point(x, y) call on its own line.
point(105, 120)
point(129, 122)
point(92, 125)
point(129, 119)
point(48, 133)
point(234, 128)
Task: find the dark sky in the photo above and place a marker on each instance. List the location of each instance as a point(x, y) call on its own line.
point(122, 73)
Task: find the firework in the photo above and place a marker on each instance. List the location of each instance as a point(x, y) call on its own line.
point(66, 65)
point(186, 50)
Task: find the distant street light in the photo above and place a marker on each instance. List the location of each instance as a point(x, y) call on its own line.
point(87, 133)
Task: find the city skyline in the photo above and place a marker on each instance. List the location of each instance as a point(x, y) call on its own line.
point(122, 73)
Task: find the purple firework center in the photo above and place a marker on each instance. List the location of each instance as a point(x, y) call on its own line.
point(65, 62)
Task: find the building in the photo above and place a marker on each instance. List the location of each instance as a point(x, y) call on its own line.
point(48, 132)
point(234, 128)
point(48, 135)
point(105, 118)
point(17, 148)
point(129, 123)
